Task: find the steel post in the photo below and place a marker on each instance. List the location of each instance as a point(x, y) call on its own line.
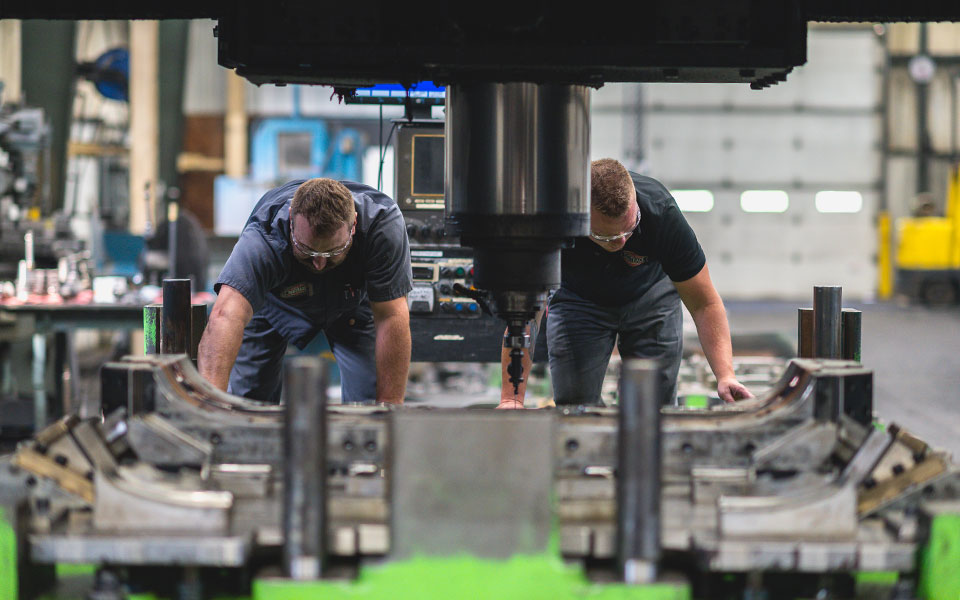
point(851, 331)
point(175, 321)
point(638, 472)
point(198, 322)
point(826, 318)
point(305, 489)
point(805, 332)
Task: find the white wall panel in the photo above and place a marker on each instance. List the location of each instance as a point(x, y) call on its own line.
point(820, 130)
point(715, 147)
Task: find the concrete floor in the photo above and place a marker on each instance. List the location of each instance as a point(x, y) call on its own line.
point(914, 352)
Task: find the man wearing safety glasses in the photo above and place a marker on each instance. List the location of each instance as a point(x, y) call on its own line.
point(623, 284)
point(315, 255)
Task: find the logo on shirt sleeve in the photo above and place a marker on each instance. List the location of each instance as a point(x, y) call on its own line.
point(297, 290)
point(633, 259)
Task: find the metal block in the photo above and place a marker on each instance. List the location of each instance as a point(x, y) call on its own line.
point(141, 548)
point(160, 443)
point(373, 539)
point(743, 555)
point(709, 483)
point(470, 482)
point(820, 514)
point(138, 500)
point(243, 481)
point(820, 557)
point(575, 540)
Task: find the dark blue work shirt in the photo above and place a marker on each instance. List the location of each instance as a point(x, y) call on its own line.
point(662, 245)
point(300, 303)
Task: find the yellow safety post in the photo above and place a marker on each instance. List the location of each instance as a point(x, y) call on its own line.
point(884, 258)
point(953, 215)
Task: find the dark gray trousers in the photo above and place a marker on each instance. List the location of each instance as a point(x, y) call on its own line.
point(581, 335)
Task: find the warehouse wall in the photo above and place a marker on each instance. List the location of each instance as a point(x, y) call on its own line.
point(818, 131)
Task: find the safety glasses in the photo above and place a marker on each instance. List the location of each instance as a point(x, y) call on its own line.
point(619, 236)
point(313, 253)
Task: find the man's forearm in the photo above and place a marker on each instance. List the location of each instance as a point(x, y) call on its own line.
point(714, 333)
point(218, 351)
point(393, 358)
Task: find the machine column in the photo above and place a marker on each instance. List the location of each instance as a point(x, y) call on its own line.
point(826, 321)
point(175, 319)
point(305, 471)
point(638, 472)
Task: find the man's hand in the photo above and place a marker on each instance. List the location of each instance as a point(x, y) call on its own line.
point(392, 320)
point(731, 390)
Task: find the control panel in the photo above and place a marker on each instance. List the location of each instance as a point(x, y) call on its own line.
point(433, 288)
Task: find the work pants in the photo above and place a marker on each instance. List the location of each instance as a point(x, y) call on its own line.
point(258, 371)
point(581, 335)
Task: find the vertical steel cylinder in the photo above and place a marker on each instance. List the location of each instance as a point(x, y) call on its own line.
point(305, 471)
point(826, 321)
point(152, 315)
point(175, 317)
point(851, 332)
point(638, 471)
point(198, 323)
point(805, 332)
point(517, 179)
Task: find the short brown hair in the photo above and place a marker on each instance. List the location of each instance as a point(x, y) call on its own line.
point(610, 187)
point(327, 205)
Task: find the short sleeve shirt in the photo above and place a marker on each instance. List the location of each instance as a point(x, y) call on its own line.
point(663, 244)
point(299, 303)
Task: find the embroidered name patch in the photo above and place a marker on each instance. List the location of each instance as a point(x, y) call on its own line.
point(633, 259)
point(296, 290)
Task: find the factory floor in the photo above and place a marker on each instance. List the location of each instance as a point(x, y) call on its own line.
point(914, 352)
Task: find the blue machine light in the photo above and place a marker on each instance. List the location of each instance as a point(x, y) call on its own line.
point(422, 92)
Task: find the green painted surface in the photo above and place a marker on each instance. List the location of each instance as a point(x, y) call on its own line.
point(695, 401)
point(521, 578)
point(876, 577)
point(71, 570)
point(151, 342)
point(940, 560)
point(8, 559)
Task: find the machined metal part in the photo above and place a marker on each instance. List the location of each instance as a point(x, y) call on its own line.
point(159, 442)
point(372, 499)
point(638, 472)
point(825, 512)
point(851, 331)
point(451, 491)
point(141, 498)
point(805, 333)
point(198, 323)
point(808, 444)
point(175, 317)
point(826, 321)
point(305, 471)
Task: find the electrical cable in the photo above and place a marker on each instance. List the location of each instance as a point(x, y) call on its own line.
point(383, 153)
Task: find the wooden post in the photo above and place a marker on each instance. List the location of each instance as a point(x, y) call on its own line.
point(235, 127)
point(144, 120)
point(10, 57)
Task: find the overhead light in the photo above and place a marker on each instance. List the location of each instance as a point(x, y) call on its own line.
point(694, 200)
point(764, 201)
point(838, 202)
